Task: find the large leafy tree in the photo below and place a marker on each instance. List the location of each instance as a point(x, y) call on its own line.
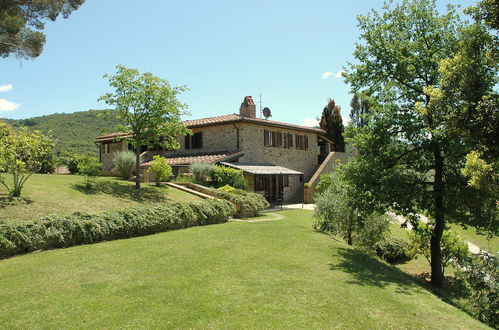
point(148, 107)
point(22, 22)
point(22, 153)
point(332, 123)
point(411, 152)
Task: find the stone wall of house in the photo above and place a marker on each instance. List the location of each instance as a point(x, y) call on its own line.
point(107, 157)
point(252, 143)
point(215, 138)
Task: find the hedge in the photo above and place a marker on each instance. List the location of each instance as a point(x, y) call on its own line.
point(56, 231)
point(247, 204)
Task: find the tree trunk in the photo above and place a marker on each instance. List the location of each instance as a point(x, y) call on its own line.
point(137, 161)
point(437, 275)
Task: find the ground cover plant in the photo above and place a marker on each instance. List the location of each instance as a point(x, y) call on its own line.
point(275, 274)
point(46, 194)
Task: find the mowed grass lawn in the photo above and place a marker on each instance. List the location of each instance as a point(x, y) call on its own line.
point(275, 274)
point(45, 194)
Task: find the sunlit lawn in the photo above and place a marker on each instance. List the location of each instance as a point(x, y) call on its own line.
point(275, 274)
point(47, 193)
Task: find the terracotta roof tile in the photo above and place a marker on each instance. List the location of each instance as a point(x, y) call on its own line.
point(212, 157)
point(226, 119)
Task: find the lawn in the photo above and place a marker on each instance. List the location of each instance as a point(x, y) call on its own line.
point(48, 193)
point(275, 274)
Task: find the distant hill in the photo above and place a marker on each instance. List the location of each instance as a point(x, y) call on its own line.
point(73, 132)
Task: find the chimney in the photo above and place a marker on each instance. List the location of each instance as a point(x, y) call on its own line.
point(248, 108)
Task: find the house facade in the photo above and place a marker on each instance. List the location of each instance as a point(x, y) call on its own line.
point(276, 158)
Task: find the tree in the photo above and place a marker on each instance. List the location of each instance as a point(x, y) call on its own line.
point(89, 167)
point(359, 110)
point(160, 168)
point(22, 153)
point(332, 123)
point(149, 107)
point(339, 211)
point(454, 248)
point(21, 23)
point(411, 153)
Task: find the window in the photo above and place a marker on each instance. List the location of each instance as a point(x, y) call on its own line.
point(301, 142)
point(197, 140)
point(290, 140)
point(285, 180)
point(106, 148)
point(279, 139)
point(194, 141)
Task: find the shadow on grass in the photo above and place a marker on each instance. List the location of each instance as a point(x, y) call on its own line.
point(11, 201)
point(123, 190)
point(366, 270)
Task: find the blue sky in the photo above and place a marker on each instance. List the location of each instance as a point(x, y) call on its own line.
point(289, 51)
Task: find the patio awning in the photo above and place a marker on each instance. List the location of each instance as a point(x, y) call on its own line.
point(262, 169)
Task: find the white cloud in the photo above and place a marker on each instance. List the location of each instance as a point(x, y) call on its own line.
point(339, 74)
point(8, 106)
point(6, 88)
point(310, 122)
point(326, 75)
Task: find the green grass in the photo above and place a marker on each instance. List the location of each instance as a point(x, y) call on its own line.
point(48, 193)
point(276, 274)
point(469, 234)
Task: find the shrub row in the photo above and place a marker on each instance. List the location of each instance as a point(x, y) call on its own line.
point(247, 204)
point(56, 231)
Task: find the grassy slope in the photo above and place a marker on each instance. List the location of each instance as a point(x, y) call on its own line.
point(276, 274)
point(47, 193)
point(75, 132)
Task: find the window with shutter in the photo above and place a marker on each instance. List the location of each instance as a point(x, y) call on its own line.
point(279, 139)
point(197, 140)
point(274, 139)
point(306, 142)
point(290, 140)
point(266, 138)
point(187, 142)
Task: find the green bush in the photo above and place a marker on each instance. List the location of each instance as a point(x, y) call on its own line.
point(160, 169)
point(393, 250)
point(125, 162)
point(202, 172)
point(73, 162)
point(481, 276)
point(247, 204)
point(223, 175)
point(58, 231)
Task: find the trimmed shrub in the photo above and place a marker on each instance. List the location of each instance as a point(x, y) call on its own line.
point(125, 162)
point(393, 250)
point(223, 175)
point(160, 169)
point(57, 231)
point(203, 172)
point(247, 204)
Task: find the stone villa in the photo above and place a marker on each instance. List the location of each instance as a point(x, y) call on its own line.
point(277, 158)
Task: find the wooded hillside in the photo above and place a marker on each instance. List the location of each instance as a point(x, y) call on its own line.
point(73, 132)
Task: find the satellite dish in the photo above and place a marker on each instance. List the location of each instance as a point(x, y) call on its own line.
point(266, 113)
